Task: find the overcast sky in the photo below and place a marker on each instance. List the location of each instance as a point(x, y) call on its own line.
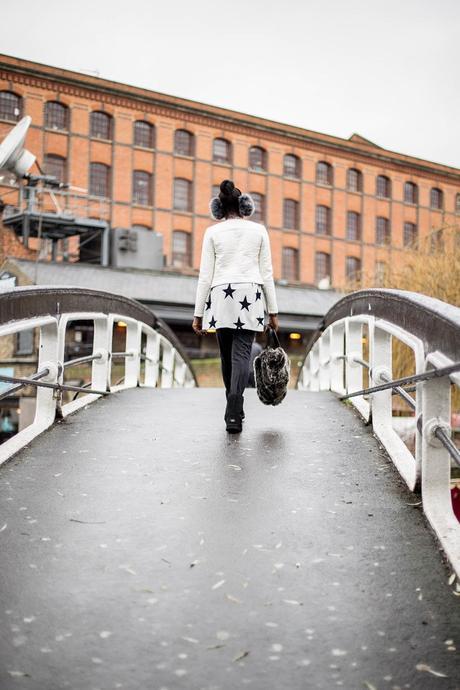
point(387, 70)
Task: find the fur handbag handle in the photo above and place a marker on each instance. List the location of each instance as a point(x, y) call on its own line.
point(271, 330)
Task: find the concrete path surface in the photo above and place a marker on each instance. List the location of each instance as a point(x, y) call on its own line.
point(144, 548)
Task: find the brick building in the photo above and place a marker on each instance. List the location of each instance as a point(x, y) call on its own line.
point(333, 206)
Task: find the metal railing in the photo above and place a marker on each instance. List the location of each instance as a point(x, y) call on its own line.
point(51, 310)
point(335, 360)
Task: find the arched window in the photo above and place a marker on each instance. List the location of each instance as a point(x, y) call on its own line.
point(457, 203)
point(410, 235)
point(436, 198)
point(144, 134)
point(100, 125)
point(410, 193)
point(290, 214)
point(353, 226)
point(56, 115)
point(99, 180)
point(10, 106)
point(182, 194)
point(259, 207)
point(221, 151)
point(383, 187)
point(323, 173)
point(257, 158)
point(382, 231)
point(352, 267)
point(323, 220)
point(56, 166)
point(290, 264)
point(322, 266)
point(291, 165)
point(183, 142)
point(354, 180)
point(181, 248)
point(142, 188)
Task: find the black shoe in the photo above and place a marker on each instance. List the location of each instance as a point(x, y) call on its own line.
point(233, 417)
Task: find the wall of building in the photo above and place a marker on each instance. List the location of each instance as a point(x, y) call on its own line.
point(37, 84)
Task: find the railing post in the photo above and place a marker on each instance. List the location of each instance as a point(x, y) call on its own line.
point(167, 362)
point(133, 346)
point(324, 361)
point(337, 349)
point(152, 353)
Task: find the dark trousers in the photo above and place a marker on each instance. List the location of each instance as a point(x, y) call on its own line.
point(235, 353)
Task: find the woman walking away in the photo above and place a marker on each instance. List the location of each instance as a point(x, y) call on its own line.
point(235, 291)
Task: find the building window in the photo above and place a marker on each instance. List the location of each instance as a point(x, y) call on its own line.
point(99, 180)
point(183, 142)
point(182, 194)
point(436, 198)
point(323, 220)
point(291, 214)
point(25, 342)
point(354, 180)
point(10, 106)
point(142, 188)
point(56, 166)
point(352, 268)
point(144, 134)
point(181, 251)
point(291, 167)
point(100, 125)
point(382, 231)
point(457, 203)
point(322, 266)
point(56, 115)
point(437, 241)
point(410, 193)
point(257, 158)
point(323, 173)
point(410, 235)
point(353, 226)
point(290, 267)
point(383, 187)
point(221, 151)
point(380, 271)
point(259, 207)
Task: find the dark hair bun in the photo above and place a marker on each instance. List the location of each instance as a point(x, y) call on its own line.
point(228, 190)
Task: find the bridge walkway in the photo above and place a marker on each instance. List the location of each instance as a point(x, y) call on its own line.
point(144, 548)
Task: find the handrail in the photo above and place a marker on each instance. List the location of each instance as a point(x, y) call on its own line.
point(335, 360)
point(148, 340)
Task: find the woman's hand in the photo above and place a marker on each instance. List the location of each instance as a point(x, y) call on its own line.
point(197, 325)
point(273, 321)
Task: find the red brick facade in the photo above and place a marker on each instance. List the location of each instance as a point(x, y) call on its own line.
point(38, 84)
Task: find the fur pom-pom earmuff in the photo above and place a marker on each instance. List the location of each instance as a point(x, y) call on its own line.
point(245, 204)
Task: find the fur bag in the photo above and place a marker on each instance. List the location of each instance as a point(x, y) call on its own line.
point(271, 373)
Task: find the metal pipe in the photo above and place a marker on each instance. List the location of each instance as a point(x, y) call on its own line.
point(59, 386)
point(363, 362)
point(12, 389)
point(424, 376)
point(81, 360)
point(448, 444)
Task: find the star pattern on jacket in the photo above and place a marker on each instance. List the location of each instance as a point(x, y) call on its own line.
point(229, 291)
point(258, 294)
point(212, 322)
point(260, 319)
point(208, 303)
point(244, 303)
point(239, 323)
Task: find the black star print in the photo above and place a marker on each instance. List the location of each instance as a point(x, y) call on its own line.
point(229, 292)
point(208, 303)
point(260, 319)
point(239, 323)
point(258, 294)
point(212, 323)
point(245, 304)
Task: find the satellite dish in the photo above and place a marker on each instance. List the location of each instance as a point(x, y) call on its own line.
point(13, 156)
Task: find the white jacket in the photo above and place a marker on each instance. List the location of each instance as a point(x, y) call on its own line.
point(236, 250)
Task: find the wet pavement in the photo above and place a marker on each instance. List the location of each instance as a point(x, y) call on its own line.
point(145, 548)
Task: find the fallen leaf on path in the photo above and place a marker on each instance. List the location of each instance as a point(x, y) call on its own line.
point(428, 669)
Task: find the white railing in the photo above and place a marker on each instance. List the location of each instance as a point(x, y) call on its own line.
point(336, 361)
point(165, 365)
